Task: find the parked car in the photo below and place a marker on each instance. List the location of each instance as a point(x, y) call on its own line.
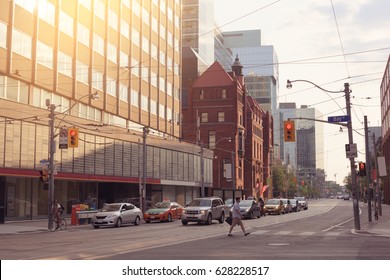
point(346, 196)
point(287, 205)
point(303, 201)
point(116, 214)
point(164, 211)
point(204, 210)
point(249, 209)
point(229, 202)
point(274, 206)
point(296, 207)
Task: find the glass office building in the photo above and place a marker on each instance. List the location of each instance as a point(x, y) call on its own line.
point(59, 52)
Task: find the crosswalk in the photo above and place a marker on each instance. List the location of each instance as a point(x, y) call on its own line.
point(297, 233)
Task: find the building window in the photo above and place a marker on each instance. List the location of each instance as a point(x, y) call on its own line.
point(98, 44)
point(64, 64)
point(205, 117)
point(66, 24)
point(97, 80)
point(162, 111)
point(153, 107)
point(125, 29)
point(26, 4)
point(201, 94)
point(44, 54)
point(82, 72)
point(111, 52)
point(134, 98)
point(212, 139)
point(144, 103)
point(123, 92)
point(3, 35)
point(99, 9)
point(221, 116)
point(111, 86)
point(112, 19)
point(224, 93)
point(21, 43)
point(83, 34)
point(135, 36)
point(46, 11)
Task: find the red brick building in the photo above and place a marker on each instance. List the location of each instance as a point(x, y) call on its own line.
point(219, 116)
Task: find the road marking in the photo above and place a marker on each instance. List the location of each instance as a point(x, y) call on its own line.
point(260, 232)
point(307, 233)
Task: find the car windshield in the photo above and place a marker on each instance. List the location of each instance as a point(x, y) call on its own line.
point(164, 204)
point(246, 203)
point(299, 198)
point(110, 207)
point(273, 201)
point(200, 202)
point(284, 201)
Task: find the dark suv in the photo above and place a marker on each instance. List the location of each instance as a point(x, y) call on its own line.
point(204, 210)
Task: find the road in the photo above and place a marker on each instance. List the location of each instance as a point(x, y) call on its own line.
point(321, 232)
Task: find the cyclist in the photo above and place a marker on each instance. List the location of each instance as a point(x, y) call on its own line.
point(56, 211)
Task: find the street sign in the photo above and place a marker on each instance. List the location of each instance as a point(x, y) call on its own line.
point(63, 138)
point(351, 150)
point(335, 119)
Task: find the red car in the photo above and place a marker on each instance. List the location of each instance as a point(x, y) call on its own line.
point(164, 211)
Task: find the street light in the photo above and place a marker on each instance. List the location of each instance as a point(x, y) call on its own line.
point(52, 149)
point(347, 92)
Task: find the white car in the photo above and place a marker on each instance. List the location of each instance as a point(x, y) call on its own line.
point(116, 214)
point(303, 202)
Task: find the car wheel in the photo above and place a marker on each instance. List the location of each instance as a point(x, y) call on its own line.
point(118, 222)
point(209, 219)
point(147, 222)
point(222, 218)
point(169, 218)
point(184, 222)
point(95, 226)
point(137, 220)
point(251, 216)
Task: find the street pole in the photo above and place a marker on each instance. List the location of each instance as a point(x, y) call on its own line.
point(202, 191)
point(355, 191)
point(369, 190)
point(52, 108)
point(145, 132)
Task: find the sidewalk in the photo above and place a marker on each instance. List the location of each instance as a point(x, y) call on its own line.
point(34, 226)
point(380, 227)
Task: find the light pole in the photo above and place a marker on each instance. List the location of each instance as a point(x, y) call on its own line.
point(347, 92)
point(52, 149)
point(145, 132)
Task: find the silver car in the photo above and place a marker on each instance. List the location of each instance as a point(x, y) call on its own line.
point(116, 214)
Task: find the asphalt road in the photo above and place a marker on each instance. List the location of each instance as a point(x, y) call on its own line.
point(321, 232)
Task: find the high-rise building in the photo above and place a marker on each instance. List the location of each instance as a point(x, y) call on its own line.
point(61, 53)
point(260, 69)
point(385, 113)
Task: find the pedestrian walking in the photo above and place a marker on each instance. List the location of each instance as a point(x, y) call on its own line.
point(237, 218)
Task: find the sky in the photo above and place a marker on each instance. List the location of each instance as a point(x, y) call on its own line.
point(328, 42)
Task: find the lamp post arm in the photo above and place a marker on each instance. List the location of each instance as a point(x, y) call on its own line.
point(289, 82)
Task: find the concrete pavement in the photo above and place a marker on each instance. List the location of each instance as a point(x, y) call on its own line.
point(380, 227)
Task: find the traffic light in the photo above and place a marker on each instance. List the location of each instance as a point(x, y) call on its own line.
point(289, 131)
point(362, 169)
point(43, 176)
point(73, 137)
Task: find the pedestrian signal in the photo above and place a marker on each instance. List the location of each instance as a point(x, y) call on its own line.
point(73, 137)
point(362, 169)
point(44, 177)
point(289, 131)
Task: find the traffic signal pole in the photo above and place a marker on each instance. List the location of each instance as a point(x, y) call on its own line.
point(355, 191)
point(52, 147)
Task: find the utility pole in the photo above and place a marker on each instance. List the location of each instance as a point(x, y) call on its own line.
point(369, 190)
point(52, 148)
point(355, 191)
point(145, 132)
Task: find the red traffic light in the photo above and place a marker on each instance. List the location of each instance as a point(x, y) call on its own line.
point(288, 126)
point(72, 133)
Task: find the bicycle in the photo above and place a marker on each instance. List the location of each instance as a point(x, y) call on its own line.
point(54, 225)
